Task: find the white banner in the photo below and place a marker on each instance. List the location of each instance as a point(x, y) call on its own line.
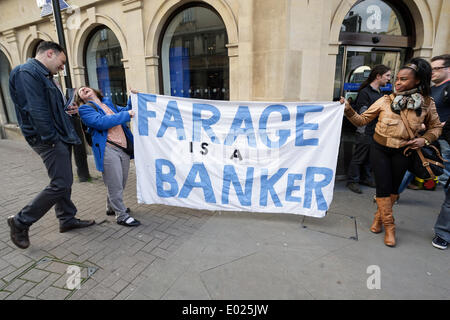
point(236, 155)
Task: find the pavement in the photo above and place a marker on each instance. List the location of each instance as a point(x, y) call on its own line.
point(185, 254)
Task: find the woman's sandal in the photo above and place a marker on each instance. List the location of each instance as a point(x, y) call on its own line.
point(129, 222)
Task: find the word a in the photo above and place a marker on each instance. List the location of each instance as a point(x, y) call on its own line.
point(374, 281)
point(74, 280)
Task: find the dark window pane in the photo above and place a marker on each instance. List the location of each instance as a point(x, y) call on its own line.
point(374, 17)
point(105, 67)
point(6, 102)
point(194, 57)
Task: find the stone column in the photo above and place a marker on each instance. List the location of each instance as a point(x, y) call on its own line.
point(11, 39)
point(441, 41)
point(136, 77)
point(244, 56)
point(152, 71)
point(235, 72)
point(79, 76)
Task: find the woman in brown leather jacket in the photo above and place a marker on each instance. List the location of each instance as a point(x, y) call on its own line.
point(411, 97)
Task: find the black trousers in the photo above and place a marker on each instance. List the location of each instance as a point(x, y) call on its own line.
point(359, 167)
point(57, 160)
point(79, 151)
point(389, 166)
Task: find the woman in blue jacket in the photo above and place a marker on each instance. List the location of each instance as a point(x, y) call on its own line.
point(112, 143)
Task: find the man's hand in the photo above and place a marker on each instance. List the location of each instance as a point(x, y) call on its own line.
point(72, 109)
point(131, 113)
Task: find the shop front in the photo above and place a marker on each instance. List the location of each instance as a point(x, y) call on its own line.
point(373, 32)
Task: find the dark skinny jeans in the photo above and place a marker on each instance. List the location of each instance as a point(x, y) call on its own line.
point(389, 166)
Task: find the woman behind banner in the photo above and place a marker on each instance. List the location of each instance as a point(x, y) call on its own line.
point(411, 97)
point(112, 141)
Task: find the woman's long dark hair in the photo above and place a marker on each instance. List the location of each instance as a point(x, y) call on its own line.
point(379, 69)
point(422, 72)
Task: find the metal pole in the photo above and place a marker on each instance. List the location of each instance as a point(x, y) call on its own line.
point(61, 39)
point(79, 150)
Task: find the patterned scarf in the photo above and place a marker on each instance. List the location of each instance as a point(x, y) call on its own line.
point(410, 99)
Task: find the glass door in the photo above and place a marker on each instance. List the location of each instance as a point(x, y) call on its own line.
point(354, 65)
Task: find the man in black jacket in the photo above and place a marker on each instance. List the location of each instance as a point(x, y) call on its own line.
point(47, 128)
point(440, 92)
point(369, 92)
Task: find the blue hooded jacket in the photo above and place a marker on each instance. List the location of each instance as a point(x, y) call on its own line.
point(98, 123)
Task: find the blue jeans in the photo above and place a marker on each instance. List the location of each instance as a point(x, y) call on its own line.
point(407, 179)
point(442, 226)
point(445, 152)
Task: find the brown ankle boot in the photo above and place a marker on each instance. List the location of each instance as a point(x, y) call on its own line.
point(377, 222)
point(385, 208)
point(394, 198)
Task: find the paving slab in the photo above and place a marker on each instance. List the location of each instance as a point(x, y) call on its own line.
point(181, 253)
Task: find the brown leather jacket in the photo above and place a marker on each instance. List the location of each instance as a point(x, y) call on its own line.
point(390, 130)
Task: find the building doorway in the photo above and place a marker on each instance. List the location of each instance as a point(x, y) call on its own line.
point(373, 32)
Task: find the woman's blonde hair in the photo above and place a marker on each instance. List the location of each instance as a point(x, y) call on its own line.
point(80, 101)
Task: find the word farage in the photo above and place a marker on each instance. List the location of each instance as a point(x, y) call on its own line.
point(242, 124)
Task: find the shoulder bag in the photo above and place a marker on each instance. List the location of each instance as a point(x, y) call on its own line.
point(426, 162)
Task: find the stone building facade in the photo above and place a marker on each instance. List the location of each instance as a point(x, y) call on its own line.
point(260, 50)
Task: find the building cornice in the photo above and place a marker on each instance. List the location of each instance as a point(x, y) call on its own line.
point(131, 5)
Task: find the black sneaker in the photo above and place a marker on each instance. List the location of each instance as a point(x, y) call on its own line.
point(76, 224)
point(439, 243)
point(354, 187)
point(18, 236)
point(113, 213)
point(84, 179)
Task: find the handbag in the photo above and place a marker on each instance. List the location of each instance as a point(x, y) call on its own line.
point(426, 162)
point(128, 150)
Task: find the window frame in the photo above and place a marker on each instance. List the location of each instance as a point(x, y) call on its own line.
point(2, 96)
point(381, 40)
point(164, 30)
point(89, 38)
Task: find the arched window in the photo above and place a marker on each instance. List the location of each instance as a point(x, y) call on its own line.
point(373, 32)
point(103, 61)
point(194, 58)
point(374, 17)
point(34, 48)
point(5, 99)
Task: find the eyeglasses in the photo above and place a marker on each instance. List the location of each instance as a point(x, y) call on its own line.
point(437, 68)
